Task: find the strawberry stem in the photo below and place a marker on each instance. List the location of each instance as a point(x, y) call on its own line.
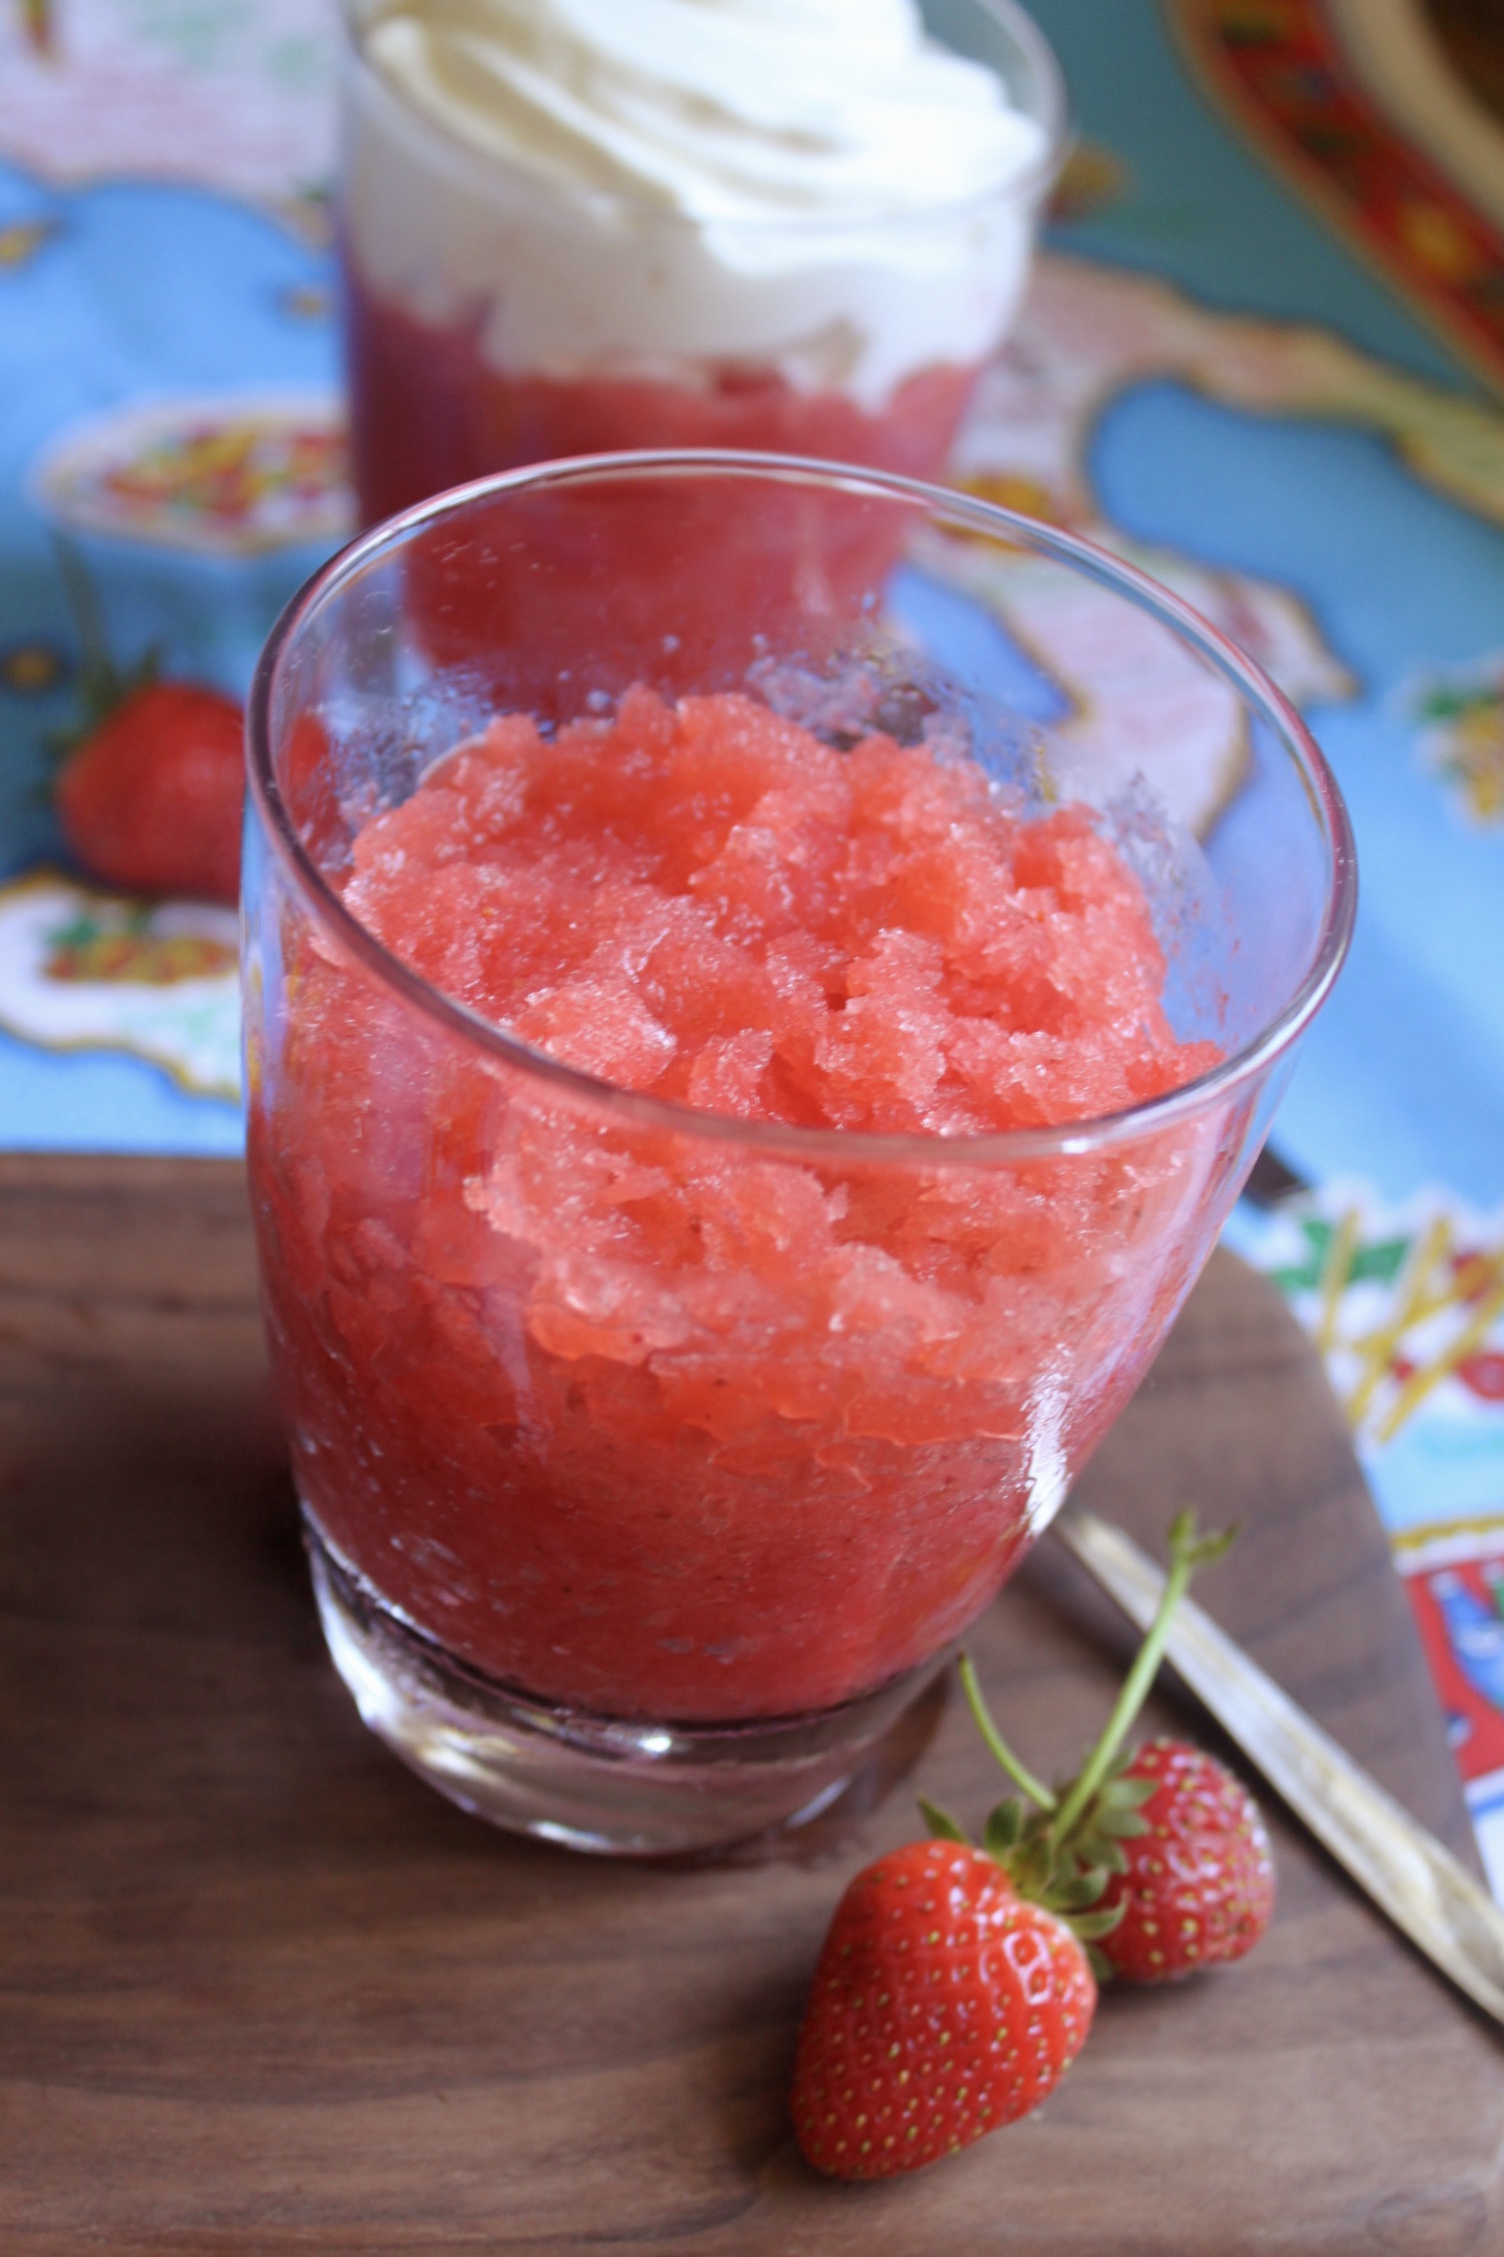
point(102, 684)
point(1188, 1551)
point(1024, 1779)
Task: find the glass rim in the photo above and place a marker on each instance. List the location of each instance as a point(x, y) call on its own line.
point(1100, 1132)
point(1033, 182)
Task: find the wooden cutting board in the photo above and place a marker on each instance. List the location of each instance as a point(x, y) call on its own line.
point(264, 1992)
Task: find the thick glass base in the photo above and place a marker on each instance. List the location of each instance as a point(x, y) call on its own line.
point(622, 1787)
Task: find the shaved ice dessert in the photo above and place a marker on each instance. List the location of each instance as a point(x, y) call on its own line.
point(733, 1388)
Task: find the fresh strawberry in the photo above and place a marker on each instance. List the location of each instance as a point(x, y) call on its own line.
point(151, 800)
point(943, 2006)
point(957, 1984)
point(1160, 1857)
point(1199, 1881)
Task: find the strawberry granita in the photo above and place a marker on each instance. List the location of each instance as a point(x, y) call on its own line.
point(428, 410)
point(676, 1410)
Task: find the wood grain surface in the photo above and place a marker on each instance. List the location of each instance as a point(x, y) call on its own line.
point(264, 1992)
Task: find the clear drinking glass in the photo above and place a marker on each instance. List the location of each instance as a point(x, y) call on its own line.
point(494, 319)
point(654, 1458)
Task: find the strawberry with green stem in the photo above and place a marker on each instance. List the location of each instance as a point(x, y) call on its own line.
point(150, 788)
point(1164, 1845)
point(956, 1984)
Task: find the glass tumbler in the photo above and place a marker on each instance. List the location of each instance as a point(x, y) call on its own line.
point(655, 1450)
point(496, 316)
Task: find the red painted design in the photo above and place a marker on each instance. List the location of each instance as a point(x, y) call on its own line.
point(1278, 67)
point(1483, 1375)
point(1464, 1668)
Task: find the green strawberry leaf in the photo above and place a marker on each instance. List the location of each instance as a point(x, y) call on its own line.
point(1079, 1894)
point(940, 1822)
point(1087, 1927)
point(1122, 1823)
point(1123, 1793)
point(1093, 1847)
point(1032, 1866)
point(1005, 1825)
point(1197, 1550)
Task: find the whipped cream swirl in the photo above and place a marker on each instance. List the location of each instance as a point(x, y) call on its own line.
point(814, 183)
point(720, 109)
